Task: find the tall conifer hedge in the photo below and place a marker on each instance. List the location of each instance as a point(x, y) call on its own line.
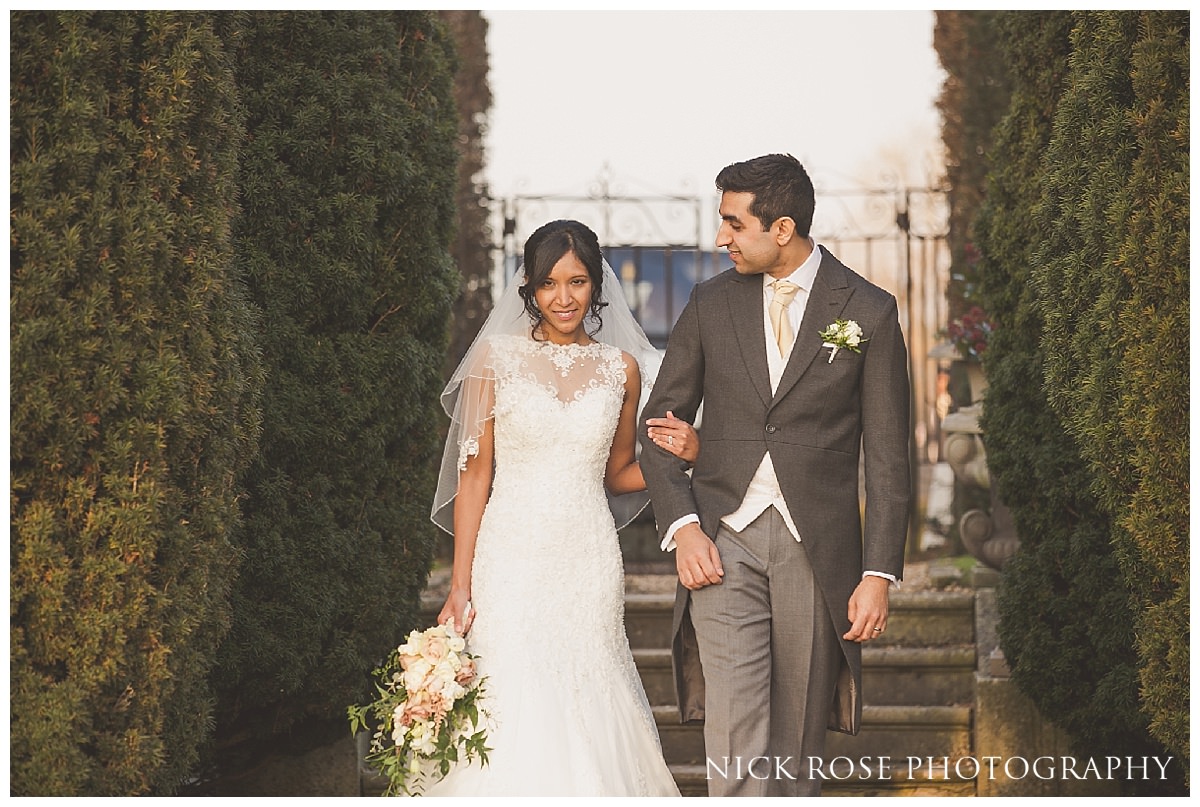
point(347, 182)
point(1113, 290)
point(1066, 621)
point(1084, 272)
point(133, 381)
point(974, 95)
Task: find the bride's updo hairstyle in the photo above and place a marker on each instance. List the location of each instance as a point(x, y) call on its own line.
point(546, 247)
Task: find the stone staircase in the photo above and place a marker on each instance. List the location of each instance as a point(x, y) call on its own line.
point(919, 683)
point(918, 679)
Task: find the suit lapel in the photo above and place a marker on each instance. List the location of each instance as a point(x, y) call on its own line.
point(745, 296)
point(826, 301)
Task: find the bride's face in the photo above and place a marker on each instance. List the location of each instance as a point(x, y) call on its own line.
point(563, 299)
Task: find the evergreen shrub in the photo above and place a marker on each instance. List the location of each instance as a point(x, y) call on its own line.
point(1066, 616)
point(347, 188)
point(1113, 292)
point(133, 383)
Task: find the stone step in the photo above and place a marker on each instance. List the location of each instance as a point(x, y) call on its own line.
point(648, 619)
point(929, 618)
point(916, 619)
point(892, 676)
point(654, 667)
point(682, 744)
point(894, 732)
point(899, 732)
point(855, 781)
point(942, 675)
point(916, 678)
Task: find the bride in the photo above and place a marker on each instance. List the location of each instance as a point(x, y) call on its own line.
point(539, 472)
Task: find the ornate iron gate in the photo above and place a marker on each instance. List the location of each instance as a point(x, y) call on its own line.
point(660, 246)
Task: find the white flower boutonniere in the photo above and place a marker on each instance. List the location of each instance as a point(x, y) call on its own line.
point(844, 333)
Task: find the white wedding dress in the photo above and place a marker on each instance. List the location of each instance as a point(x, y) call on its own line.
point(568, 712)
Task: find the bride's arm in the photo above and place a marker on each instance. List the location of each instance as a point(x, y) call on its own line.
point(474, 486)
point(623, 473)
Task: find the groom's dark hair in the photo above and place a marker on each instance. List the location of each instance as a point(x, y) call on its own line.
point(546, 247)
point(780, 185)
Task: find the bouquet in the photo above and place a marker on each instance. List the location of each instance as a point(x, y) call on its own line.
point(428, 714)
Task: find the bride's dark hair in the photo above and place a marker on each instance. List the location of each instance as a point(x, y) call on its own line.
point(546, 247)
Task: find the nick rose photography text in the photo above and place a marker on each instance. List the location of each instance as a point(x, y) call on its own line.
point(959, 768)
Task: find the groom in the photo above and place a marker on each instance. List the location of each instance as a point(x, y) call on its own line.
point(780, 584)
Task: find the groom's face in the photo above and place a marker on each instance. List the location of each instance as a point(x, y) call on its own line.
point(752, 249)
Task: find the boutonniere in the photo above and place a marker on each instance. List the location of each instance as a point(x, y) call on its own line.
point(844, 333)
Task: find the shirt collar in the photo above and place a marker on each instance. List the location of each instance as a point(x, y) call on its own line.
point(805, 274)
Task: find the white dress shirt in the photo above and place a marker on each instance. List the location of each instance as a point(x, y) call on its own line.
point(764, 490)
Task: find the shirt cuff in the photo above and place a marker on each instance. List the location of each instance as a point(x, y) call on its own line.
point(668, 542)
point(885, 576)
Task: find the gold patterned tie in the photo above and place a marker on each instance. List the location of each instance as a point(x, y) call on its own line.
point(785, 292)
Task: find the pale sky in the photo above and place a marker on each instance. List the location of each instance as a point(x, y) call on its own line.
point(665, 99)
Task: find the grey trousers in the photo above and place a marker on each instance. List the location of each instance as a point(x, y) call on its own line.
point(770, 659)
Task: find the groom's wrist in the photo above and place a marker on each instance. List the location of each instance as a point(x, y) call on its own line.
point(668, 542)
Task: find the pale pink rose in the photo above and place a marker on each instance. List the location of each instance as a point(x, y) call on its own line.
point(436, 648)
point(416, 674)
point(445, 670)
point(407, 658)
point(466, 673)
point(419, 706)
point(412, 647)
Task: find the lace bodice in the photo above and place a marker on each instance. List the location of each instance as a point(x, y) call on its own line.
point(556, 409)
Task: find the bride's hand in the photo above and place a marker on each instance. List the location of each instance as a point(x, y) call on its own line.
point(675, 435)
point(458, 608)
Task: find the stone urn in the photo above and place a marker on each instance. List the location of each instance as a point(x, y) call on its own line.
point(989, 535)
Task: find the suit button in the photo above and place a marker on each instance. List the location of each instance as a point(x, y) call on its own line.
point(771, 428)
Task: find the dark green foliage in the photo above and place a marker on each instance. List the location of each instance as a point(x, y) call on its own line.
point(973, 97)
point(472, 249)
point(1059, 205)
point(1066, 621)
point(133, 378)
point(1114, 295)
point(136, 376)
point(347, 182)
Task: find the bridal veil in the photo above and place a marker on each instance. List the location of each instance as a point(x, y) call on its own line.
point(469, 396)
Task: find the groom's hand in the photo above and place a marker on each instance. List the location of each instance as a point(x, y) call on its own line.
point(696, 558)
point(868, 610)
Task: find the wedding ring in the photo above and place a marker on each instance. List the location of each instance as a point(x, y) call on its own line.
point(878, 630)
point(671, 440)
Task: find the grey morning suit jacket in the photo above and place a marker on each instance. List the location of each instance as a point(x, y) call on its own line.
point(814, 425)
